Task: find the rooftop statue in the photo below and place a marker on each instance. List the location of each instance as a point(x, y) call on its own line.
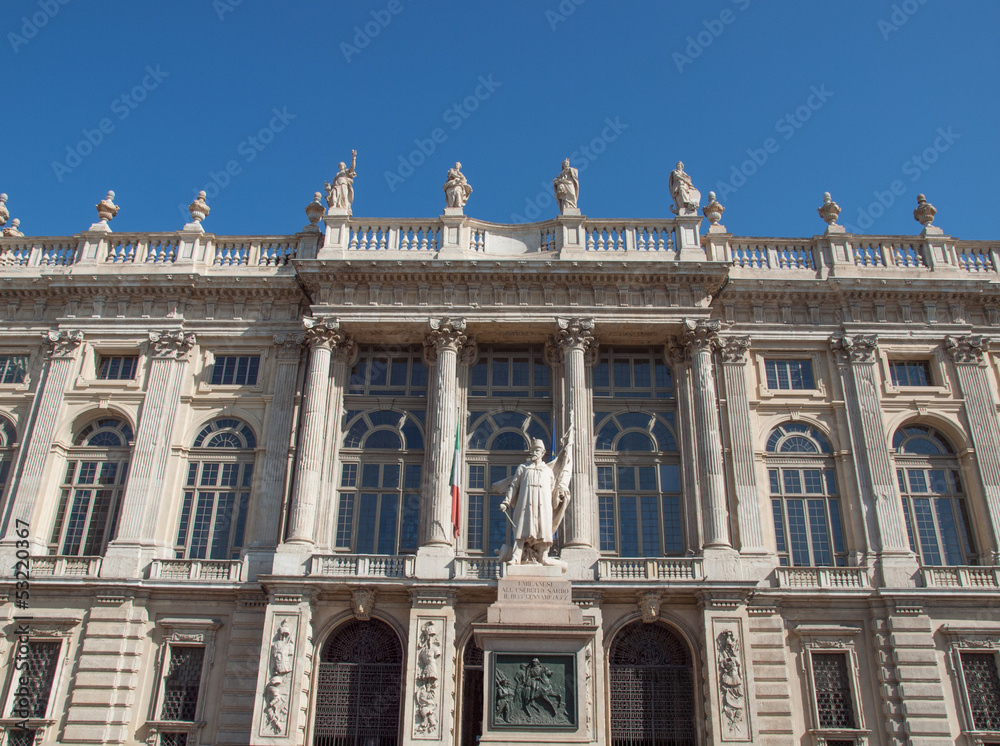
point(340, 194)
point(537, 496)
point(456, 189)
point(567, 187)
point(686, 197)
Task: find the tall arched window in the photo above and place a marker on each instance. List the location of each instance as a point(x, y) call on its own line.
point(358, 688)
point(472, 694)
point(93, 485)
point(652, 691)
point(804, 498)
point(8, 439)
point(937, 519)
point(217, 491)
point(379, 498)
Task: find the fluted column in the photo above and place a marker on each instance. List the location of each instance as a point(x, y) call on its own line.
point(701, 337)
point(749, 508)
point(856, 358)
point(575, 338)
point(274, 469)
point(969, 354)
point(37, 435)
point(445, 341)
point(323, 335)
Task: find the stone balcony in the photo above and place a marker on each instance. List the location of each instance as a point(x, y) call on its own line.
point(961, 577)
point(823, 577)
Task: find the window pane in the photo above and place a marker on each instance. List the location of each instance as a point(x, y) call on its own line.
point(367, 511)
point(628, 526)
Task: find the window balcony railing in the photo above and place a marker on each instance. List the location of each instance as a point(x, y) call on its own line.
point(650, 568)
point(478, 568)
point(362, 565)
point(961, 577)
point(195, 569)
point(823, 577)
point(61, 566)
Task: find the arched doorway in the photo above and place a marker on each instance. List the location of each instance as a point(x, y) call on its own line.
point(358, 691)
point(472, 694)
point(651, 687)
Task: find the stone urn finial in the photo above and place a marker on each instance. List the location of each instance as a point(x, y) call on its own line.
point(106, 208)
point(14, 230)
point(713, 210)
point(3, 210)
point(199, 209)
point(314, 210)
point(925, 212)
point(830, 210)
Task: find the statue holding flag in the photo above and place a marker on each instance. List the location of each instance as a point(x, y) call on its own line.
point(536, 500)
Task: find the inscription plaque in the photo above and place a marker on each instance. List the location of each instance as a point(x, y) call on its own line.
point(534, 591)
point(533, 692)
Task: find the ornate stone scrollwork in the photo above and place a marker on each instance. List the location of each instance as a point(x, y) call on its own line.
point(861, 348)
point(734, 349)
point(575, 333)
point(324, 331)
point(701, 333)
point(446, 334)
point(281, 661)
point(172, 344)
point(428, 672)
point(967, 349)
point(62, 343)
point(362, 603)
point(649, 606)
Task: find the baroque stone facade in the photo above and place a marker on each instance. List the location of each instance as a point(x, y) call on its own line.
point(229, 468)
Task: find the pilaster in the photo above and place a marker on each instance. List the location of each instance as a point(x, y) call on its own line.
point(431, 660)
point(576, 339)
point(135, 542)
point(968, 354)
point(437, 533)
point(242, 666)
point(61, 347)
point(729, 688)
point(856, 358)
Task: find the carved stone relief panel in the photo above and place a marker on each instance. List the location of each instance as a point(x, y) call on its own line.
point(730, 663)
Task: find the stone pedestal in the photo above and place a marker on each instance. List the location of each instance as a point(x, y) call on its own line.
point(537, 655)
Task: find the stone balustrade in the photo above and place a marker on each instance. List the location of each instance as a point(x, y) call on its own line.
point(961, 577)
point(823, 577)
point(60, 566)
point(651, 568)
point(361, 565)
point(193, 569)
point(478, 568)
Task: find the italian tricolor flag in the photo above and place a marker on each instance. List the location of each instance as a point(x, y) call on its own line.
point(456, 502)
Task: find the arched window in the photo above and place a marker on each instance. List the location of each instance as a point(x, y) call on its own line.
point(638, 484)
point(498, 443)
point(937, 519)
point(93, 486)
point(379, 499)
point(358, 689)
point(804, 498)
point(217, 491)
point(652, 690)
point(8, 439)
point(472, 694)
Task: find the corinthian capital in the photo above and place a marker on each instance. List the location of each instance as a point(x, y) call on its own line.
point(289, 346)
point(173, 344)
point(860, 348)
point(734, 349)
point(62, 343)
point(700, 334)
point(323, 331)
point(967, 349)
point(446, 334)
point(575, 334)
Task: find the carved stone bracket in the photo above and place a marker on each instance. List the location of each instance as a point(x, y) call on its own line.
point(445, 334)
point(701, 333)
point(362, 603)
point(734, 349)
point(289, 346)
point(860, 348)
point(323, 331)
point(172, 344)
point(575, 333)
point(62, 343)
point(967, 349)
point(649, 606)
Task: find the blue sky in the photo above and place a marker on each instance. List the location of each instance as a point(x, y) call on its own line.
point(768, 102)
